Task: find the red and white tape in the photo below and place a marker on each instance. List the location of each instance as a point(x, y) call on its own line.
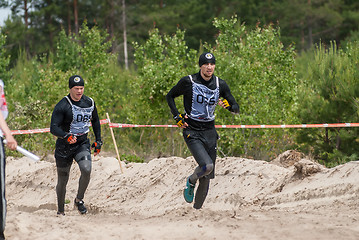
point(123, 125)
point(43, 130)
point(325, 125)
point(20, 132)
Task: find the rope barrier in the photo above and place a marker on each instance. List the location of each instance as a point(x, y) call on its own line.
point(324, 125)
point(42, 130)
point(124, 125)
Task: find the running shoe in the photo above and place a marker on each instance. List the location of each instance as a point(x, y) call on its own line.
point(61, 213)
point(188, 192)
point(81, 206)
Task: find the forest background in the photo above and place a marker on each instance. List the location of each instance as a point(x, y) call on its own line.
point(286, 62)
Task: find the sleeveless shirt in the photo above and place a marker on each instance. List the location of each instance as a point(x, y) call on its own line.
point(81, 120)
point(204, 101)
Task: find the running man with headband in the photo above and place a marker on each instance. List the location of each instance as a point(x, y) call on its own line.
point(201, 92)
point(70, 122)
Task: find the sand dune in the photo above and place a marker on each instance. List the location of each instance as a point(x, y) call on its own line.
point(288, 198)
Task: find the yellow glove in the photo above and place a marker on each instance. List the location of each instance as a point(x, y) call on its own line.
point(179, 120)
point(226, 104)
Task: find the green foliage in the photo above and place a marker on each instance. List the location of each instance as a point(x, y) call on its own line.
point(4, 58)
point(67, 53)
point(257, 68)
point(329, 93)
point(336, 158)
point(302, 22)
point(95, 60)
point(37, 85)
point(308, 22)
point(31, 92)
point(16, 39)
point(94, 49)
point(30, 116)
point(131, 158)
point(260, 73)
point(161, 62)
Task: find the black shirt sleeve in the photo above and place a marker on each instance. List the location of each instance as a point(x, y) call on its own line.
point(96, 125)
point(181, 88)
point(225, 92)
point(61, 117)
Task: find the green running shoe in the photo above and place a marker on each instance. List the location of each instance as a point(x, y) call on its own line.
point(188, 192)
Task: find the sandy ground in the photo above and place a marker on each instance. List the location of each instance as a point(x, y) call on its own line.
point(288, 198)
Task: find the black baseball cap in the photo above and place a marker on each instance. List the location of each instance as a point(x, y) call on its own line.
point(76, 80)
point(206, 57)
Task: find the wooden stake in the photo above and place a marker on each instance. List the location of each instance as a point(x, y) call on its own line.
point(114, 142)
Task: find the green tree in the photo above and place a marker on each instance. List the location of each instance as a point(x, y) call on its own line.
point(260, 72)
point(329, 93)
point(67, 55)
point(308, 22)
point(4, 58)
point(350, 27)
point(302, 22)
point(161, 62)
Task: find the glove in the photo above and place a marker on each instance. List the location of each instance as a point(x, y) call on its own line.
point(226, 104)
point(69, 137)
point(97, 146)
point(179, 120)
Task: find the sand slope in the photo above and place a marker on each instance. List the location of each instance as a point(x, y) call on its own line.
point(288, 198)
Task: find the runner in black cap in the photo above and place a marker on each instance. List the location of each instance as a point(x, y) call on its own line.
point(70, 122)
point(201, 93)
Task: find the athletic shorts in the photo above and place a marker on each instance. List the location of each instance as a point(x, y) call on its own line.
point(65, 153)
point(203, 146)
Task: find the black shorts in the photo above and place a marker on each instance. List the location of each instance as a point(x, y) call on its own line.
point(203, 146)
point(65, 153)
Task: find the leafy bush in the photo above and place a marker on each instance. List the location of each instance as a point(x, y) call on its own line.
point(161, 62)
point(329, 93)
point(4, 58)
point(131, 158)
point(260, 73)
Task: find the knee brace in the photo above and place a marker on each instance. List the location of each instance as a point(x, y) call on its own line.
point(201, 171)
point(207, 169)
point(83, 156)
point(83, 159)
